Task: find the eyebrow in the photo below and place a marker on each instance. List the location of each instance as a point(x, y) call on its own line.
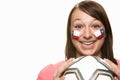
point(77, 19)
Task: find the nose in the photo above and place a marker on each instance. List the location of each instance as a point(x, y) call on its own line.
point(87, 34)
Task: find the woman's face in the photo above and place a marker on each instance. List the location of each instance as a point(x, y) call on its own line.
point(87, 43)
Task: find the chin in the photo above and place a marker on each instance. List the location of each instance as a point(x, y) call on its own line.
point(88, 53)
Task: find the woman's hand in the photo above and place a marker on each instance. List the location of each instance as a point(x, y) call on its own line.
point(58, 75)
point(114, 68)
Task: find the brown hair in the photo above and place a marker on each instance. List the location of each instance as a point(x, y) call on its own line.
point(95, 10)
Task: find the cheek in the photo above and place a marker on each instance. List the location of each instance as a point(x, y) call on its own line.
point(100, 42)
point(75, 43)
point(75, 34)
point(99, 34)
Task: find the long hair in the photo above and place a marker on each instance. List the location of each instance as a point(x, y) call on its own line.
point(95, 10)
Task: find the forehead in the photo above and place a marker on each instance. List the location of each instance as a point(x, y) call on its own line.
point(80, 15)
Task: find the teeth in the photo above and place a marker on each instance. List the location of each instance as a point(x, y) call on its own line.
point(87, 43)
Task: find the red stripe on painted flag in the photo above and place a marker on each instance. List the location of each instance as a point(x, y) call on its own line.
point(75, 34)
point(99, 34)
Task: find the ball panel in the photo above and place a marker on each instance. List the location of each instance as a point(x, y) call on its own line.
point(76, 74)
point(101, 74)
point(101, 61)
point(88, 68)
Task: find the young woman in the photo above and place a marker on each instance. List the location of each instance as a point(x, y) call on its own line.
point(85, 20)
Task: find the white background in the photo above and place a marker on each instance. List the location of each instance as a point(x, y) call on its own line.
point(33, 34)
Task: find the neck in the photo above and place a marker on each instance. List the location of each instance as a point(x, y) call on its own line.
point(96, 54)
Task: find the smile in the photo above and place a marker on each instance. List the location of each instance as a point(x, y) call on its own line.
point(87, 43)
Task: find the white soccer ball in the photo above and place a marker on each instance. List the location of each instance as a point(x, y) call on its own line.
point(89, 68)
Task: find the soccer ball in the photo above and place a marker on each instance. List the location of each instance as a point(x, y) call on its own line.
point(89, 68)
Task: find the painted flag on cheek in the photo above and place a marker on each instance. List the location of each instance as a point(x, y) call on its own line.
point(99, 34)
point(75, 34)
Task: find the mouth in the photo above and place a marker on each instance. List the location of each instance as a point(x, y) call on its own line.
point(87, 42)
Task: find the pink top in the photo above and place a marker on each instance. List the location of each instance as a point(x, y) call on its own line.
point(48, 72)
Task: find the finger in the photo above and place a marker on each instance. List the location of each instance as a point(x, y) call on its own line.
point(63, 67)
point(63, 77)
point(115, 78)
point(113, 67)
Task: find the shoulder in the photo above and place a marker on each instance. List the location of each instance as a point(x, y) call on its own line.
point(47, 72)
point(118, 61)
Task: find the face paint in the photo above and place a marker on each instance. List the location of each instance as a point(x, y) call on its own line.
point(75, 34)
point(99, 34)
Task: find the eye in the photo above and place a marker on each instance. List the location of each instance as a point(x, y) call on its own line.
point(78, 26)
point(96, 26)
